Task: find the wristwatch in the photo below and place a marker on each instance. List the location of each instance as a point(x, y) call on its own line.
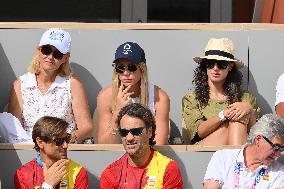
point(222, 116)
point(46, 186)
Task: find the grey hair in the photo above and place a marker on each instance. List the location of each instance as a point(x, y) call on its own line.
point(269, 125)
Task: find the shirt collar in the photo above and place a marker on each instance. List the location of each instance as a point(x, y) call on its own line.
point(241, 160)
point(31, 81)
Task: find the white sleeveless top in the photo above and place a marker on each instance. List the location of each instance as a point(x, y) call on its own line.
point(151, 98)
point(55, 102)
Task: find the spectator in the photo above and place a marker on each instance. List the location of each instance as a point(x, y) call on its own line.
point(279, 104)
point(140, 166)
point(130, 84)
point(253, 166)
point(218, 111)
point(51, 168)
point(50, 88)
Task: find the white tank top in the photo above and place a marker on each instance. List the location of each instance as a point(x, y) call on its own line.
point(151, 98)
point(55, 102)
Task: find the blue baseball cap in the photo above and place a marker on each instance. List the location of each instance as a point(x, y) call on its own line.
point(131, 51)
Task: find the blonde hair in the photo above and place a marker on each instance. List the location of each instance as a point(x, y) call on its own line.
point(64, 69)
point(143, 85)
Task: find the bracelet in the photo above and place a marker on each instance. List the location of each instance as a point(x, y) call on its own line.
point(46, 186)
point(222, 116)
point(114, 130)
point(74, 137)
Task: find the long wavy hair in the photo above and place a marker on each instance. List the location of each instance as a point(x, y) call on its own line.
point(63, 70)
point(232, 85)
point(143, 85)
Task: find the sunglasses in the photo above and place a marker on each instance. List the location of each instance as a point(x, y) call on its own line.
point(275, 147)
point(60, 141)
point(47, 50)
point(134, 131)
point(120, 68)
point(221, 64)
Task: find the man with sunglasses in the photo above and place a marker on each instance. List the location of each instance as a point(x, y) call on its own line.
point(51, 169)
point(141, 166)
point(255, 165)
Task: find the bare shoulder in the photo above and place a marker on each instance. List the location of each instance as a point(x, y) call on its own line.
point(105, 94)
point(75, 80)
point(160, 94)
point(17, 85)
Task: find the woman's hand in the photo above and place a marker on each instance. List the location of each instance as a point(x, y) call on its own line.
point(238, 111)
point(123, 97)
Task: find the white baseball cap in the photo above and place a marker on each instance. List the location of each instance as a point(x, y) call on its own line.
point(58, 38)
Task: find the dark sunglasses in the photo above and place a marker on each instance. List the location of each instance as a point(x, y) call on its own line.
point(47, 50)
point(275, 147)
point(221, 64)
point(120, 68)
point(60, 141)
point(134, 131)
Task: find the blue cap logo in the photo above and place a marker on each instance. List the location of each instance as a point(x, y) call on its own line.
point(127, 48)
point(131, 51)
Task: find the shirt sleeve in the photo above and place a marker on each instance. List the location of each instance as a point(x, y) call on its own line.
point(215, 169)
point(82, 179)
point(19, 181)
point(172, 177)
point(280, 90)
point(252, 100)
point(107, 180)
point(279, 182)
point(191, 114)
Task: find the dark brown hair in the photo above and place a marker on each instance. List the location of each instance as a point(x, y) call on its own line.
point(139, 111)
point(48, 128)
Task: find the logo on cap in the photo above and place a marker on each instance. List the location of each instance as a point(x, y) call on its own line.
point(126, 48)
point(56, 35)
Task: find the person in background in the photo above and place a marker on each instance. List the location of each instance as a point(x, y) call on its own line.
point(279, 103)
point(130, 84)
point(141, 166)
point(51, 169)
point(50, 88)
point(218, 111)
point(253, 166)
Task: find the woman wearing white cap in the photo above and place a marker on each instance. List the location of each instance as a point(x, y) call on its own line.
point(130, 84)
point(50, 88)
point(218, 111)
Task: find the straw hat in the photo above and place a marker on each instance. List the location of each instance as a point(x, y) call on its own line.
point(220, 49)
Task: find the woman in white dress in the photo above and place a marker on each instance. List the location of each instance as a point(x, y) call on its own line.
point(50, 88)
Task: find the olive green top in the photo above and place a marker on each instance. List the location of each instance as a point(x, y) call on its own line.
point(193, 114)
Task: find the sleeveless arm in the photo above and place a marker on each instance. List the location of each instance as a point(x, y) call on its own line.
point(162, 108)
point(106, 118)
point(80, 109)
point(15, 106)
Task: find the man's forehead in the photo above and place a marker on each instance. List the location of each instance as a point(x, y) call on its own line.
point(130, 121)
